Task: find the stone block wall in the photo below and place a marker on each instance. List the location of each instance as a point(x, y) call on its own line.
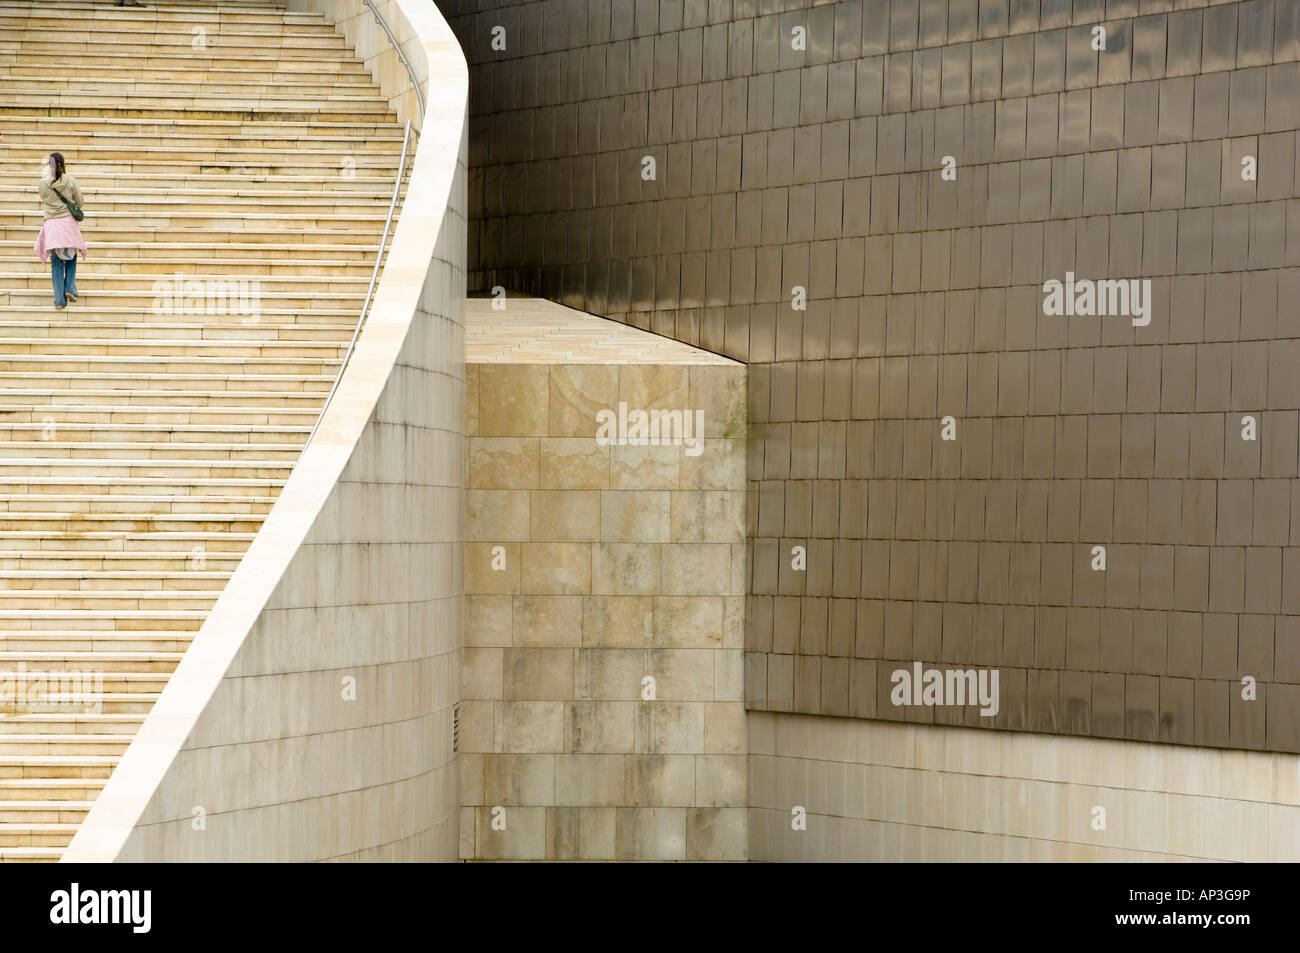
point(589, 569)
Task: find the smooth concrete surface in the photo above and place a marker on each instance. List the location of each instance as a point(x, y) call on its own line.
point(875, 791)
point(603, 714)
point(312, 719)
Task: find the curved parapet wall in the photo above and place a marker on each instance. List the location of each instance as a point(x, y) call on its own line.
point(311, 719)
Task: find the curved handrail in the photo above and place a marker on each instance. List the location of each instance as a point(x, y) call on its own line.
point(374, 276)
point(415, 83)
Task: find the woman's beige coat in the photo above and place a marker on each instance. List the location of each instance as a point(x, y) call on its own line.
point(51, 204)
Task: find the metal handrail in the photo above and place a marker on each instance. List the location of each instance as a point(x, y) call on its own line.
point(374, 276)
point(415, 83)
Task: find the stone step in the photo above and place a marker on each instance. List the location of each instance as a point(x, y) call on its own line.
point(111, 484)
point(197, 449)
point(161, 8)
point(172, 462)
point(188, 620)
point(95, 661)
point(50, 788)
point(104, 580)
point(250, 11)
point(195, 330)
point(128, 542)
point(97, 580)
point(200, 291)
point(130, 522)
point(247, 14)
point(109, 271)
point(195, 104)
point(176, 377)
point(172, 283)
point(266, 316)
point(31, 679)
point(72, 640)
point(163, 369)
point(328, 182)
point(146, 206)
point(44, 812)
point(173, 397)
point(49, 743)
point(29, 106)
point(183, 219)
point(381, 154)
point(170, 481)
point(54, 429)
point(374, 184)
point(127, 442)
point(180, 565)
point(245, 305)
point(116, 66)
point(175, 331)
point(12, 412)
point(280, 238)
point(194, 195)
point(161, 64)
point(54, 502)
point(227, 40)
point(56, 766)
point(268, 350)
point(12, 600)
point(34, 836)
point(221, 130)
point(18, 855)
point(120, 30)
point(195, 84)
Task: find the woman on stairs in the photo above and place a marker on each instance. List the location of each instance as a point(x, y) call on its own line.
point(60, 238)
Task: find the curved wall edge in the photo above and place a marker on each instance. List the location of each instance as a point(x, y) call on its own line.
point(311, 719)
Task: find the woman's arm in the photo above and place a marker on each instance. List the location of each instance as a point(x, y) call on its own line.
point(74, 192)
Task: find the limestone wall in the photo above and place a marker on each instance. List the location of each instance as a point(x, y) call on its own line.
point(588, 569)
point(876, 791)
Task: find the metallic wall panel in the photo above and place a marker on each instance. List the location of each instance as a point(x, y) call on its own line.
point(780, 163)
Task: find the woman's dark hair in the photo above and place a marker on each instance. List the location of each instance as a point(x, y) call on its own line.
point(59, 166)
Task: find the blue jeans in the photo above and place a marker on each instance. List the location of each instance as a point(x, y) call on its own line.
point(64, 275)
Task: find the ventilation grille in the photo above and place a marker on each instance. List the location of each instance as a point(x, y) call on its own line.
point(455, 729)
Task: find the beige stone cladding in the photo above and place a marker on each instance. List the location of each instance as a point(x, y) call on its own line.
point(876, 791)
point(602, 714)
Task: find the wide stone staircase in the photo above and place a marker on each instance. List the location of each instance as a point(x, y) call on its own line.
point(237, 163)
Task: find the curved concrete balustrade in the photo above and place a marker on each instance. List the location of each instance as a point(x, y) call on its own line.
point(311, 719)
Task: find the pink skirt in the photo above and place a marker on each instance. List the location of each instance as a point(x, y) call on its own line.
point(61, 232)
